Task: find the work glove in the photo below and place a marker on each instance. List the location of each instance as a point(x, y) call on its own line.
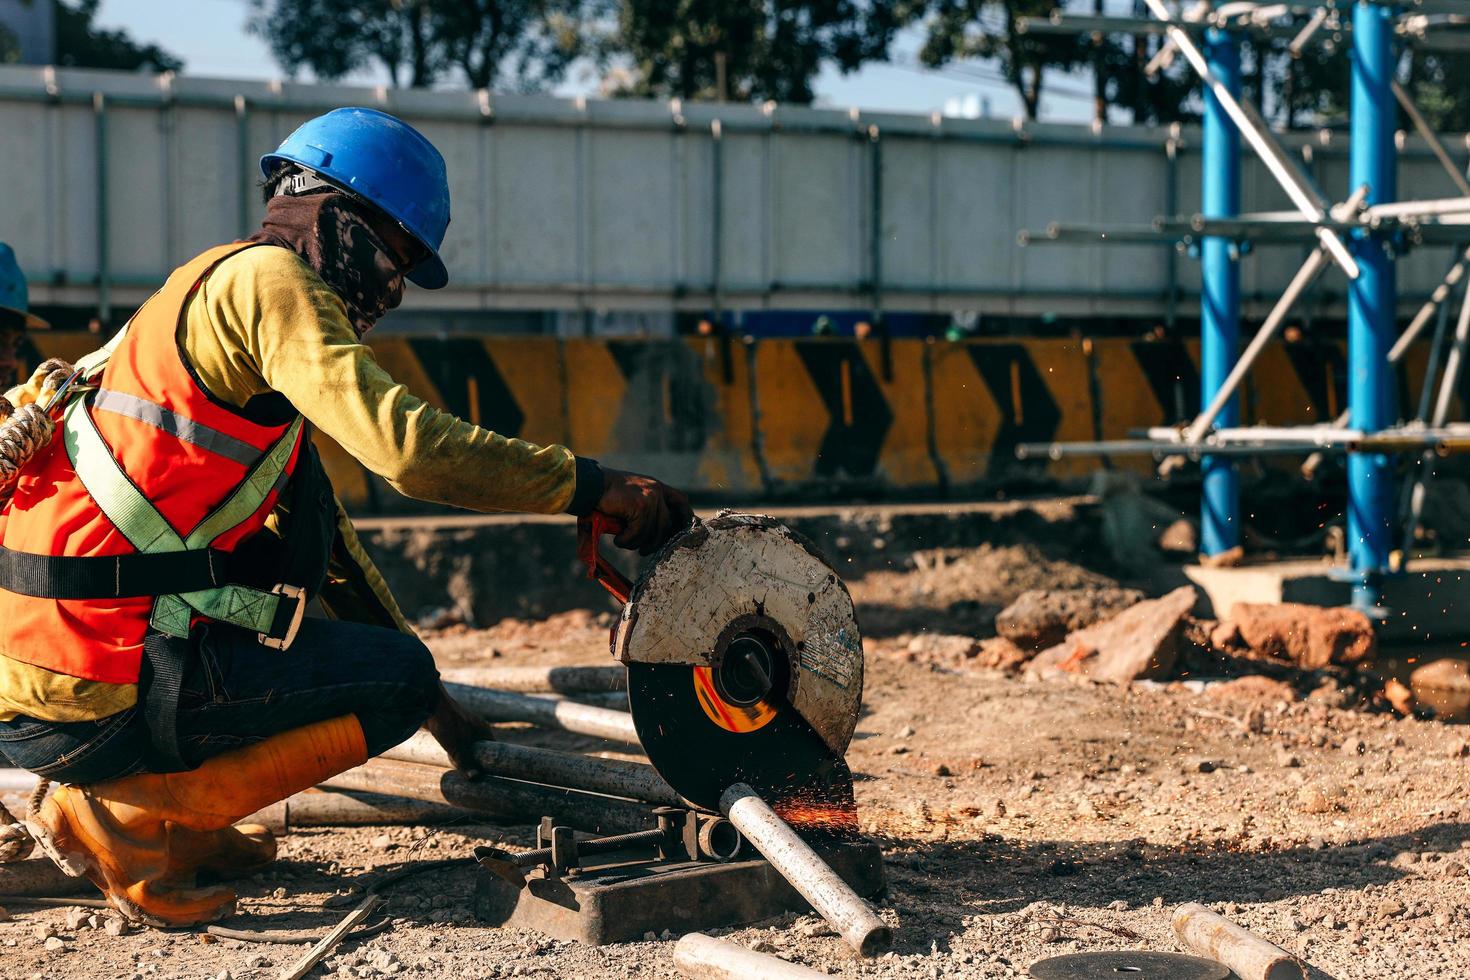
point(650, 512)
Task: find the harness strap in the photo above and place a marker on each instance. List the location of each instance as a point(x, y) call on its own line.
point(166, 658)
point(113, 577)
point(150, 533)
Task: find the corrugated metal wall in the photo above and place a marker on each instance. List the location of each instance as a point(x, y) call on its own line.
point(112, 179)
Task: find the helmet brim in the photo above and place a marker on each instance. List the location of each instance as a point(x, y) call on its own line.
point(28, 321)
point(430, 274)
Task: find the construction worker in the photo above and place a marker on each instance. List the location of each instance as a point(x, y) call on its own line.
point(156, 556)
point(15, 314)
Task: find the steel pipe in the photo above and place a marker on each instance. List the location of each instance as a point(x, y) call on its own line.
point(318, 808)
point(506, 800)
point(1372, 297)
point(572, 770)
point(832, 898)
point(1220, 297)
point(568, 716)
point(538, 679)
point(702, 957)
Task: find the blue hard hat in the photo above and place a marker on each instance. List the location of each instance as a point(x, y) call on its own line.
point(385, 161)
point(14, 295)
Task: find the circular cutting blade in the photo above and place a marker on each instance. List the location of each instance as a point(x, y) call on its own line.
point(702, 743)
point(1138, 964)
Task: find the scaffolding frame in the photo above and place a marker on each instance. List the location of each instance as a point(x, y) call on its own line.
point(1359, 235)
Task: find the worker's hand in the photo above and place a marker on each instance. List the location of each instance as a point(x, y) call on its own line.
point(457, 731)
point(651, 512)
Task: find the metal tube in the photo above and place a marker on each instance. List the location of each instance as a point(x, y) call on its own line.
point(569, 716)
point(104, 226)
point(1298, 188)
point(246, 162)
point(1421, 208)
point(318, 808)
point(852, 917)
point(1163, 449)
point(717, 220)
point(875, 205)
point(702, 957)
point(572, 770)
point(1371, 300)
point(502, 799)
point(1220, 297)
point(534, 679)
point(1171, 206)
point(1248, 956)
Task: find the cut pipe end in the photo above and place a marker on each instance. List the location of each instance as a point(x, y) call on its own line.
point(874, 942)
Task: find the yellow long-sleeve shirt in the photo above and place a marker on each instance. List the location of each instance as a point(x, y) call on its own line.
point(264, 322)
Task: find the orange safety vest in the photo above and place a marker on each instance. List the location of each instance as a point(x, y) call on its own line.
point(199, 463)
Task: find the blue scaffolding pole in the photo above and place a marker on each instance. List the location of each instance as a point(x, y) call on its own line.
point(1372, 299)
point(1220, 295)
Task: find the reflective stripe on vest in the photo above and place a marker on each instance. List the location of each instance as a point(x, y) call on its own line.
point(176, 425)
point(145, 528)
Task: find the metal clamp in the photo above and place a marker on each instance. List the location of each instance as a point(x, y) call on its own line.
point(296, 594)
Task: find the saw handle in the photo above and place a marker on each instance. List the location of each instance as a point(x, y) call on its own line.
point(590, 530)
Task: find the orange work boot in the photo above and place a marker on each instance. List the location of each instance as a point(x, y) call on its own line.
point(143, 839)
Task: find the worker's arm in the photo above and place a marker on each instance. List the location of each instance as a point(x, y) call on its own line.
point(294, 337)
point(288, 332)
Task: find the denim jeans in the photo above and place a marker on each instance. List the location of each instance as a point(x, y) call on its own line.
point(236, 692)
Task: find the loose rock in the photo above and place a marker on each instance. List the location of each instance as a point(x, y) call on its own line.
point(1041, 618)
point(1140, 643)
point(1308, 636)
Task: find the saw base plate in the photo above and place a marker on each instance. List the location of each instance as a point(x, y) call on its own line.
point(622, 903)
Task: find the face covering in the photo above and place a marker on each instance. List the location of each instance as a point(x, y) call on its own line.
point(332, 233)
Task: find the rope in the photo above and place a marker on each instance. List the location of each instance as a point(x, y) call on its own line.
point(16, 843)
point(26, 430)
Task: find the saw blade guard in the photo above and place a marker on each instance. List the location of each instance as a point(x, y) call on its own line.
point(761, 618)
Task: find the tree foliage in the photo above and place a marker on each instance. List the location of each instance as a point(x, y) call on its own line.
point(752, 51)
point(524, 44)
point(990, 30)
point(81, 44)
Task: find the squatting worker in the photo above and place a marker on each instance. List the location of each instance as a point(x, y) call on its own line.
point(15, 314)
point(158, 552)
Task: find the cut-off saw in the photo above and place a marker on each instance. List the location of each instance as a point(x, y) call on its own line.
point(745, 665)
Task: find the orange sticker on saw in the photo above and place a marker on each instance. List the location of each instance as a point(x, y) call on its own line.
point(731, 717)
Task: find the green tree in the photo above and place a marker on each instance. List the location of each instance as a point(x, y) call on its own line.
point(714, 49)
point(991, 30)
point(958, 30)
point(489, 43)
point(81, 44)
point(1440, 84)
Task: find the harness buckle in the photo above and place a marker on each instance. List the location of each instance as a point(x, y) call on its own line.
point(296, 594)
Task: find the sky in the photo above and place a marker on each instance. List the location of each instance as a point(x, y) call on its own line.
point(210, 36)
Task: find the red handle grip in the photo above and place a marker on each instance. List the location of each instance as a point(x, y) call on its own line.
point(590, 530)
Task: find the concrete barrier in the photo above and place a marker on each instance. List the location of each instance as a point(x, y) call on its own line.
point(843, 414)
point(988, 396)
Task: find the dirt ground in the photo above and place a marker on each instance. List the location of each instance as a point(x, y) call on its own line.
point(1019, 819)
